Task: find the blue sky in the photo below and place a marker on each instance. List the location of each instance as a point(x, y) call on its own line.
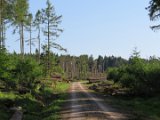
point(102, 27)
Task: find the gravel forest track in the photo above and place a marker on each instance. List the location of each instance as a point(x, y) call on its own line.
point(85, 105)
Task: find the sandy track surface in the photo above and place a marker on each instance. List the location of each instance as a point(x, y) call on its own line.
point(84, 105)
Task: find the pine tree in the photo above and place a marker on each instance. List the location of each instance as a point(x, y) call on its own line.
point(37, 23)
point(91, 63)
point(19, 20)
point(29, 29)
point(2, 18)
point(51, 30)
point(5, 13)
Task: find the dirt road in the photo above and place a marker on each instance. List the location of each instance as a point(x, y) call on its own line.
point(84, 105)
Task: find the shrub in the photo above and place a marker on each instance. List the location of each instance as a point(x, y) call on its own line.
point(57, 69)
point(134, 77)
point(153, 76)
point(113, 73)
point(140, 76)
point(27, 72)
point(6, 70)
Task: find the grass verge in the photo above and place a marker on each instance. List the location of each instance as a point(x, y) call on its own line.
point(42, 105)
point(141, 107)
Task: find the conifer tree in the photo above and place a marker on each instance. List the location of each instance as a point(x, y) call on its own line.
point(37, 23)
point(30, 30)
point(51, 30)
point(19, 19)
point(6, 9)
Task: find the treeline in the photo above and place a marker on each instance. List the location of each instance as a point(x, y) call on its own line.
point(85, 66)
point(140, 76)
point(16, 72)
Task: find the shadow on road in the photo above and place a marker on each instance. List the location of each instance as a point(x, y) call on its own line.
point(84, 105)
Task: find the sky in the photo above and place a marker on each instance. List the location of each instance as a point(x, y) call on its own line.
point(102, 27)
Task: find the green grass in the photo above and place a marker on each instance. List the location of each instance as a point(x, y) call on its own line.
point(7, 95)
point(54, 98)
point(51, 112)
point(141, 108)
point(61, 87)
point(6, 98)
point(10, 99)
point(33, 108)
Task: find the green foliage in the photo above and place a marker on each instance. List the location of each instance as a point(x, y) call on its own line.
point(113, 73)
point(90, 63)
point(6, 8)
point(35, 108)
point(61, 87)
point(50, 111)
point(140, 76)
point(4, 73)
point(54, 67)
point(20, 19)
point(83, 66)
point(27, 72)
point(20, 11)
point(100, 64)
point(15, 71)
point(58, 69)
point(6, 69)
point(6, 99)
point(153, 76)
point(112, 61)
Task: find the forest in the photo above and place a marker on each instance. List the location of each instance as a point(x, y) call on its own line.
point(35, 82)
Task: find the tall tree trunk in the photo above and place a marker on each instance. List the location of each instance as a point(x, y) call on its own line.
point(30, 41)
point(3, 35)
point(22, 40)
point(48, 46)
point(0, 35)
point(39, 43)
point(2, 39)
point(1, 25)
